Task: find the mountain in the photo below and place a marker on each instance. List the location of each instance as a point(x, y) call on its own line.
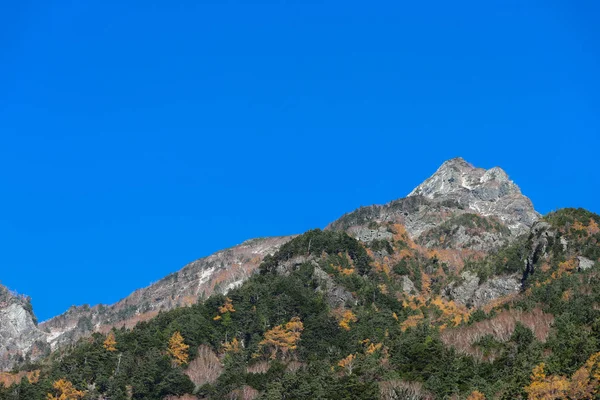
point(474, 210)
point(460, 290)
point(20, 336)
point(455, 189)
point(218, 273)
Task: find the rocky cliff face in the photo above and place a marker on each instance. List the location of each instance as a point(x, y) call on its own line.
point(220, 272)
point(485, 192)
point(19, 335)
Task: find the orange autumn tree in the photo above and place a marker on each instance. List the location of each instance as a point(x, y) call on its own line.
point(347, 363)
point(225, 308)
point(110, 342)
point(65, 391)
point(225, 311)
point(584, 383)
point(231, 347)
point(178, 349)
point(545, 387)
point(283, 338)
point(347, 317)
point(476, 395)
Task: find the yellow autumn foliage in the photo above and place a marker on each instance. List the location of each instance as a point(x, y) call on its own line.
point(372, 348)
point(65, 390)
point(227, 307)
point(178, 350)
point(584, 383)
point(231, 347)
point(283, 338)
point(476, 395)
point(347, 363)
point(347, 318)
point(411, 322)
point(110, 342)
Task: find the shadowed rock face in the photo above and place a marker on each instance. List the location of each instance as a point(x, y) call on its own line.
point(486, 192)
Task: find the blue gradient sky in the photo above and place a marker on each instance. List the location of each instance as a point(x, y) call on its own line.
point(137, 136)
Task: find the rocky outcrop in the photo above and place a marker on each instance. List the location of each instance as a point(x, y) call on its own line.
point(367, 235)
point(584, 263)
point(467, 231)
point(335, 295)
point(473, 294)
point(487, 192)
point(19, 334)
point(408, 286)
point(540, 239)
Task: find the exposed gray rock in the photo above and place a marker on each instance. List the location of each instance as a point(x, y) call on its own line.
point(464, 292)
point(467, 231)
point(286, 267)
point(335, 294)
point(488, 192)
point(367, 235)
point(18, 331)
point(564, 242)
point(585, 263)
point(456, 188)
point(494, 288)
point(408, 286)
point(470, 293)
point(541, 233)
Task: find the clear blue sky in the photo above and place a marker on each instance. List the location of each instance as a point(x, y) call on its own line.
point(137, 136)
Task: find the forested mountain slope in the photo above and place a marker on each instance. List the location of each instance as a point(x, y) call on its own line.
point(468, 304)
point(22, 339)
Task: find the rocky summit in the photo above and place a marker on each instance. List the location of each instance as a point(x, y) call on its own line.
point(486, 192)
point(468, 207)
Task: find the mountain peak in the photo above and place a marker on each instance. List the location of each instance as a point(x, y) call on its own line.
point(457, 161)
point(488, 192)
point(457, 176)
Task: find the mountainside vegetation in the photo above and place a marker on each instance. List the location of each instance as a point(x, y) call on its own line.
point(329, 317)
